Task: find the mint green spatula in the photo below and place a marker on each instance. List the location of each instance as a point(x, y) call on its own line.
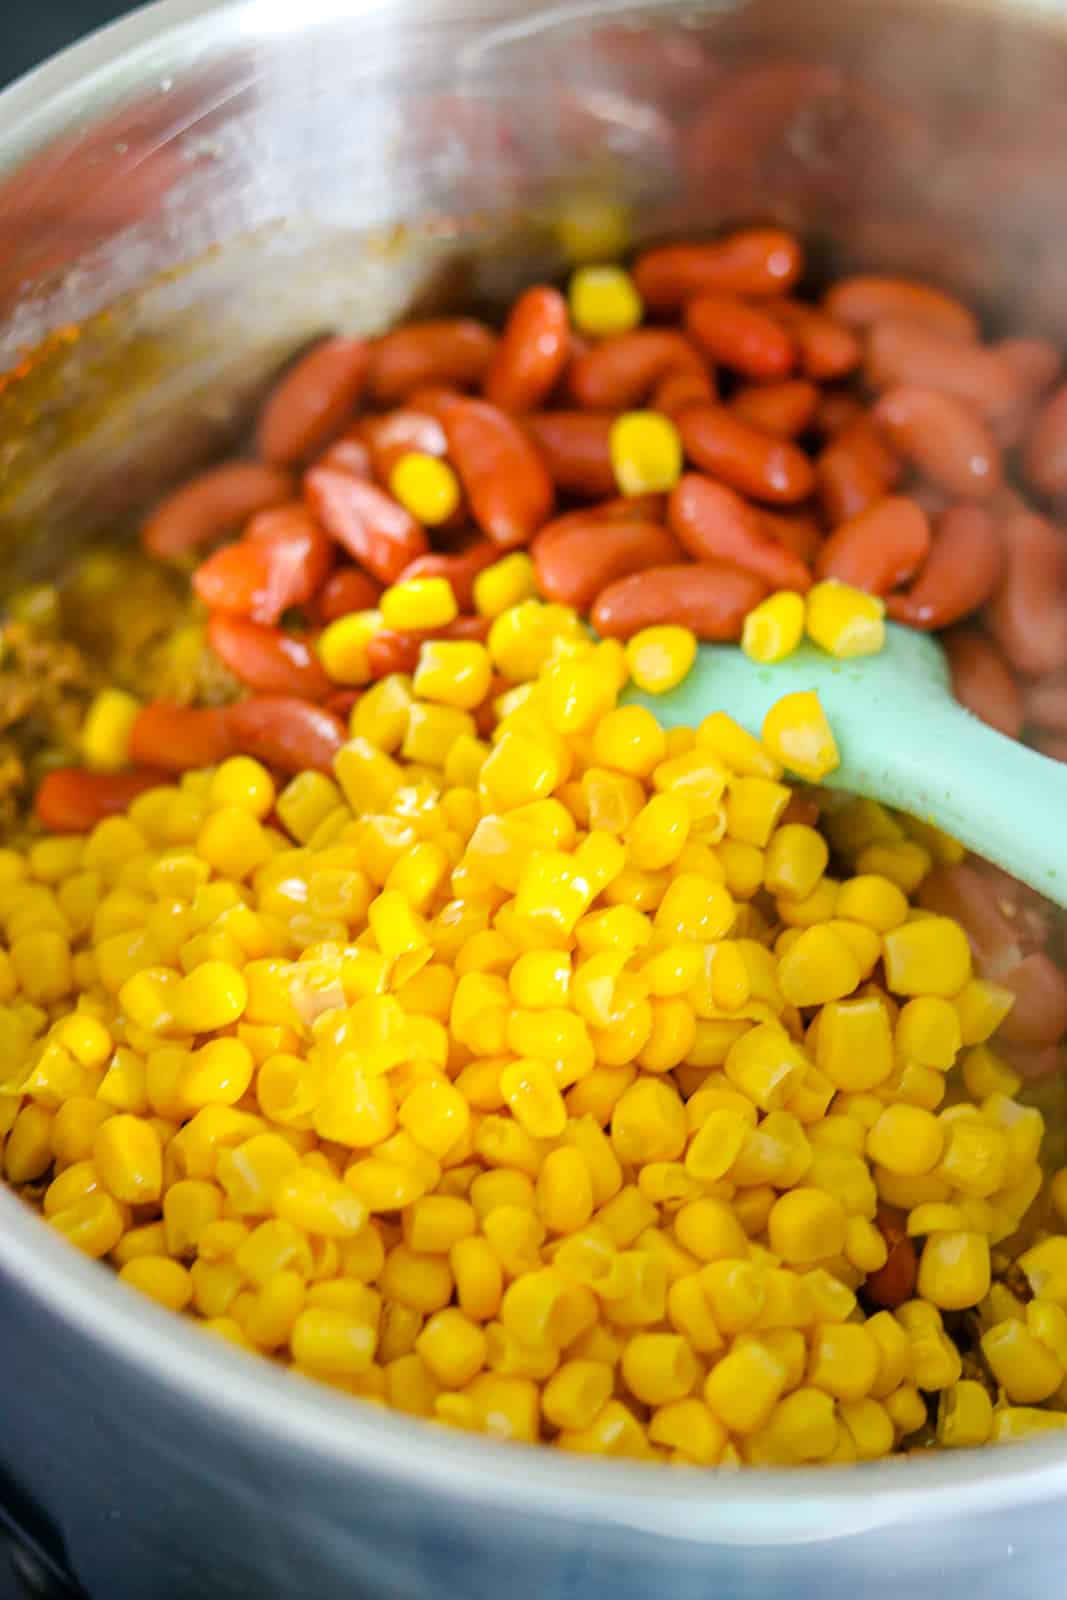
point(903, 740)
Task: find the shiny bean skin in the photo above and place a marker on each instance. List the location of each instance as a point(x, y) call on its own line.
point(268, 660)
point(450, 351)
point(906, 353)
point(1053, 745)
point(313, 401)
point(177, 738)
point(712, 598)
point(722, 444)
point(960, 573)
point(943, 439)
point(1036, 363)
point(576, 565)
point(507, 484)
point(755, 262)
point(460, 567)
point(680, 389)
point(576, 448)
point(827, 348)
point(533, 351)
point(798, 531)
point(72, 800)
point(373, 527)
point(982, 680)
point(716, 524)
point(1044, 456)
point(285, 733)
point(893, 1283)
point(865, 299)
point(393, 434)
point(211, 505)
point(392, 651)
point(1045, 702)
point(879, 549)
point(848, 483)
point(621, 372)
point(836, 410)
point(740, 336)
point(621, 508)
point(784, 409)
point(281, 562)
point(345, 591)
point(1039, 1015)
point(1027, 614)
point(348, 454)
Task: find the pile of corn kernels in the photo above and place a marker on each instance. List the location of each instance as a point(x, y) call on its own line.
point(532, 1074)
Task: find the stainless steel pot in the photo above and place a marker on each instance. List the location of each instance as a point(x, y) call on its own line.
point(184, 199)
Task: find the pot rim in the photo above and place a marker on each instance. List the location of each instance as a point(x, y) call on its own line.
point(283, 1410)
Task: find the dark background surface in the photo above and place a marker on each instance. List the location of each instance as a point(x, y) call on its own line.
point(30, 32)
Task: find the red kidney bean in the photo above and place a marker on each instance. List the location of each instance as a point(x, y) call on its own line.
point(784, 409)
point(943, 439)
point(348, 453)
point(621, 372)
point(765, 468)
point(397, 433)
point(866, 299)
point(211, 505)
point(1045, 702)
point(177, 738)
point(680, 389)
point(1035, 363)
point(312, 401)
point(715, 524)
point(740, 336)
point(894, 1282)
point(345, 591)
point(373, 527)
point(963, 893)
point(392, 651)
point(1034, 1063)
point(712, 598)
point(575, 565)
point(982, 680)
point(71, 800)
point(288, 734)
point(507, 484)
point(907, 353)
point(341, 702)
point(444, 351)
point(268, 660)
point(836, 410)
point(636, 508)
point(879, 549)
point(281, 562)
point(1027, 615)
point(1039, 1015)
point(1044, 456)
point(532, 353)
point(959, 575)
point(755, 262)
point(798, 531)
point(1053, 745)
point(460, 567)
point(827, 348)
point(576, 448)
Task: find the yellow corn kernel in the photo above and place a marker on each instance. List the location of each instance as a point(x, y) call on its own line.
point(218, 1074)
point(930, 956)
point(318, 1203)
point(818, 967)
point(1022, 1364)
point(603, 300)
point(630, 740)
point(478, 1278)
point(565, 1198)
point(765, 1065)
point(520, 769)
point(708, 1229)
point(981, 1007)
point(429, 489)
point(167, 1282)
point(435, 1114)
point(242, 782)
point(129, 1158)
point(437, 1222)
point(1048, 1322)
point(854, 1045)
point(928, 1032)
point(954, 1270)
point(806, 1225)
point(1015, 1423)
point(753, 807)
point(907, 1410)
point(343, 645)
point(211, 996)
point(94, 1224)
point(659, 658)
point(189, 1206)
point(645, 453)
point(795, 861)
point(844, 1361)
point(773, 629)
point(332, 1343)
point(906, 1140)
point(796, 732)
point(659, 1367)
point(649, 1123)
point(1057, 1188)
point(984, 1073)
point(42, 964)
point(744, 1387)
point(976, 1157)
point(72, 1130)
point(870, 1427)
point(453, 1348)
point(507, 583)
point(105, 734)
point(451, 672)
point(844, 621)
point(894, 1353)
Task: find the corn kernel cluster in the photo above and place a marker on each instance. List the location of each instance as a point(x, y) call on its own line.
point(546, 1084)
point(841, 620)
